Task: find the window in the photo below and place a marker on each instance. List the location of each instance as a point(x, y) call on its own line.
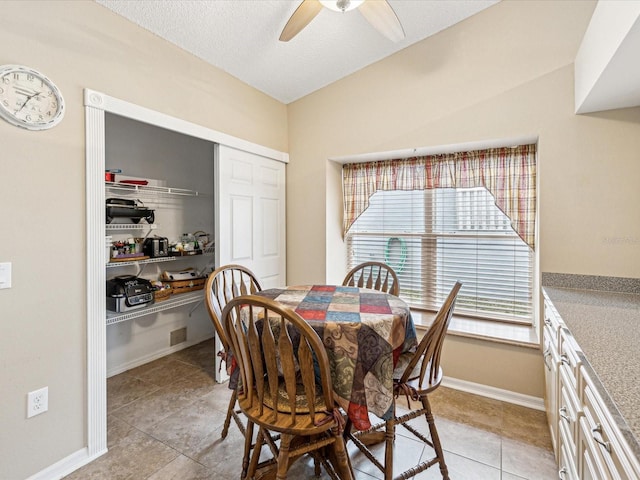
point(433, 237)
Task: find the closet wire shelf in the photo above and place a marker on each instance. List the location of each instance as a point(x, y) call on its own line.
point(130, 226)
point(175, 301)
point(140, 262)
point(153, 190)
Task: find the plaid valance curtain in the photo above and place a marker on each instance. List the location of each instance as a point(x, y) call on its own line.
point(508, 173)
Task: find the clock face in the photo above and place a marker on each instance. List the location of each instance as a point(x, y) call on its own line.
point(29, 99)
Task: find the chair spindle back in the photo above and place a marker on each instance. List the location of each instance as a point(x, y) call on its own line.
point(429, 349)
point(224, 284)
point(277, 351)
point(373, 275)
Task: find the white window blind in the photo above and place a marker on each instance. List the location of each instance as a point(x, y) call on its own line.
point(434, 237)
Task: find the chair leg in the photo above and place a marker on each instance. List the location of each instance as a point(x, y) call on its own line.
point(389, 438)
point(342, 460)
point(347, 429)
point(283, 456)
point(248, 442)
point(435, 439)
point(270, 439)
point(232, 406)
point(255, 453)
point(316, 466)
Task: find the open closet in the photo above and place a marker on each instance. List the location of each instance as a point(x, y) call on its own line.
point(208, 199)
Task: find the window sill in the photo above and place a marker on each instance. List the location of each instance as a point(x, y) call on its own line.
point(519, 335)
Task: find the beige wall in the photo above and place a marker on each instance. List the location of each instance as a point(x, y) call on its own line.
point(506, 72)
point(80, 44)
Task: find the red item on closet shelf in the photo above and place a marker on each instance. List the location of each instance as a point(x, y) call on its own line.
point(135, 182)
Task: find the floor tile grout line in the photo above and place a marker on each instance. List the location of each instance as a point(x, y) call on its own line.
point(197, 360)
point(109, 412)
point(156, 391)
point(159, 440)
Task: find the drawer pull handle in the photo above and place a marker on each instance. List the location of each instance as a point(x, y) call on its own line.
point(562, 473)
point(565, 359)
point(597, 436)
point(563, 414)
point(547, 354)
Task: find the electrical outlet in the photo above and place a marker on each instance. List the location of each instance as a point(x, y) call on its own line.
point(37, 402)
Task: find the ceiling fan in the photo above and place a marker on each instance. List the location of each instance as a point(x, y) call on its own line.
point(377, 12)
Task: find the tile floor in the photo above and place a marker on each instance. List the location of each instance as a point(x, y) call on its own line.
point(165, 417)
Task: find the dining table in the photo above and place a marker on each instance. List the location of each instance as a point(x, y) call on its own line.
point(365, 332)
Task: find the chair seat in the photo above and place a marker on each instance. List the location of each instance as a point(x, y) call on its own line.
point(302, 423)
point(301, 401)
point(414, 376)
point(403, 362)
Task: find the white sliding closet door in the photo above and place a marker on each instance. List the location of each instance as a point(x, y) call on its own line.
point(250, 226)
point(251, 229)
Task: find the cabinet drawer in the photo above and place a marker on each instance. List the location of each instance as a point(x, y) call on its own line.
point(566, 466)
point(551, 317)
point(602, 437)
point(552, 322)
point(569, 361)
point(551, 363)
point(590, 464)
point(569, 412)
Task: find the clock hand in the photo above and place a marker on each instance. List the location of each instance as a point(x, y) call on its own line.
point(27, 101)
point(24, 91)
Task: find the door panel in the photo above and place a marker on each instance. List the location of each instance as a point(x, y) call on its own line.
point(251, 229)
point(241, 230)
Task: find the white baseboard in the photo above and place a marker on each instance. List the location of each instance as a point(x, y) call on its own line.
point(495, 393)
point(67, 465)
point(154, 356)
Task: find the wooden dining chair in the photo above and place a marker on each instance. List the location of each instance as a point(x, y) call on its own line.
point(415, 377)
point(374, 275)
point(284, 370)
point(224, 284)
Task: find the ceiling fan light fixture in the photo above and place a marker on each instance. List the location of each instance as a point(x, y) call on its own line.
point(341, 5)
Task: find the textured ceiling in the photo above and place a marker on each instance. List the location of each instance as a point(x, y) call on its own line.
point(241, 37)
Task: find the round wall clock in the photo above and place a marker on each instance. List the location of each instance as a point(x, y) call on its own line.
point(28, 99)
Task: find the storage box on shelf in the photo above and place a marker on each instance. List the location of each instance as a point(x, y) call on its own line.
point(163, 294)
point(185, 286)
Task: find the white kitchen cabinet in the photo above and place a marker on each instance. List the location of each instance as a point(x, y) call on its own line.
point(604, 451)
point(566, 468)
point(569, 413)
point(552, 365)
point(587, 441)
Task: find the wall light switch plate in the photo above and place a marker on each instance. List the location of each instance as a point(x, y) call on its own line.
point(5, 275)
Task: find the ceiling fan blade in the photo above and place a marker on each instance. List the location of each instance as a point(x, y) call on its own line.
point(306, 12)
point(382, 17)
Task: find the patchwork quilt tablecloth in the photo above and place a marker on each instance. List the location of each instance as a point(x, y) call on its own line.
point(364, 332)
